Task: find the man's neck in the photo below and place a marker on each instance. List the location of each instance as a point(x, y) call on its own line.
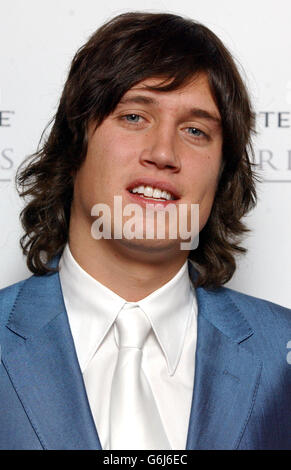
point(130, 272)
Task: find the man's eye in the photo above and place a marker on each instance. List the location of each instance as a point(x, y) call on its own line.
point(195, 132)
point(132, 117)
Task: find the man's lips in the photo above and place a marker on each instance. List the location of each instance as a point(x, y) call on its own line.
point(145, 201)
point(163, 185)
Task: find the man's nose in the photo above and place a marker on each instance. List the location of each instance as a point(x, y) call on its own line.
point(161, 149)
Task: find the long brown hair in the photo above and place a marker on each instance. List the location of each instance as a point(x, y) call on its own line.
point(127, 49)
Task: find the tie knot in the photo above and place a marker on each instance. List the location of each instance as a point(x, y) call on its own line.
point(132, 327)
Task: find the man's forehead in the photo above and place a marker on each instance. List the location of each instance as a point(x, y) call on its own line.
point(161, 82)
point(196, 87)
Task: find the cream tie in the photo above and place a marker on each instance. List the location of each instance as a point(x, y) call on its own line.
point(135, 422)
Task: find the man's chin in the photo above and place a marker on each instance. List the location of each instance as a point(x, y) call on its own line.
point(150, 247)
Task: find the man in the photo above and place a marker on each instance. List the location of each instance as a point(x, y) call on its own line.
point(120, 342)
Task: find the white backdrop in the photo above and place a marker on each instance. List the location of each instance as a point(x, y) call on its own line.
point(37, 42)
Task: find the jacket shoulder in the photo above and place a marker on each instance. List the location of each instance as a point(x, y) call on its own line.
point(8, 296)
point(257, 310)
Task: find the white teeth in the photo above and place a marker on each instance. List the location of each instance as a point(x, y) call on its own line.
point(155, 193)
point(148, 191)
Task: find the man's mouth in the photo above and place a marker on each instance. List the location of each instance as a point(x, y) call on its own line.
point(153, 193)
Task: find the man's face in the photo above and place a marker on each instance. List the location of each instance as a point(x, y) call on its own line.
point(170, 141)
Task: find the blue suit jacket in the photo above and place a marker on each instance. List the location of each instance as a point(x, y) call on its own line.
point(242, 386)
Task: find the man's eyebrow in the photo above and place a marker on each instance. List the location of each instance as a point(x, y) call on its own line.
point(204, 114)
point(190, 113)
point(138, 99)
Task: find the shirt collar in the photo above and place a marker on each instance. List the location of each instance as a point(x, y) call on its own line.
point(169, 309)
point(92, 309)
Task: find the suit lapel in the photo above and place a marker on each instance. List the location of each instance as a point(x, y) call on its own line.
point(226, 374)
point(41, 361)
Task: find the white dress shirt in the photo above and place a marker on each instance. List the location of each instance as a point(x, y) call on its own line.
point(168, 354)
